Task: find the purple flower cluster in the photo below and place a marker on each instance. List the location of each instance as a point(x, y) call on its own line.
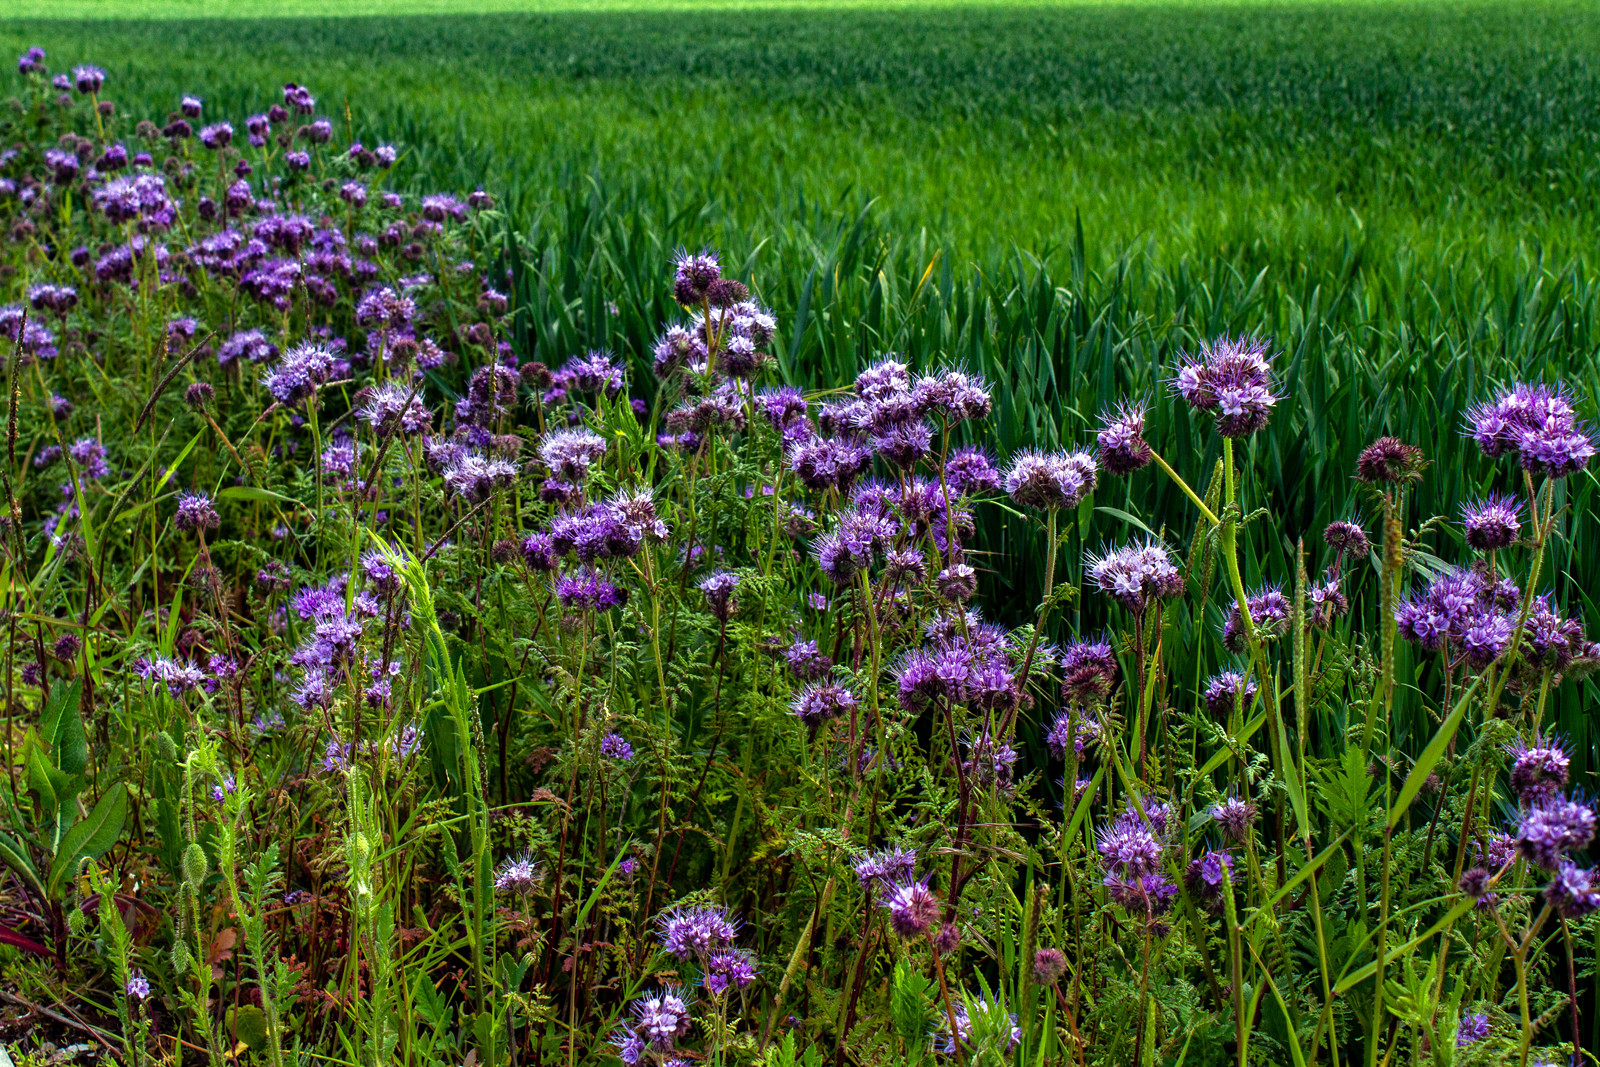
point(1230, 379)
point(1539, 424)
point(1050, 479)
point(1135, 575)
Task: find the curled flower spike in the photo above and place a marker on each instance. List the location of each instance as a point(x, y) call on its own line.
point(1231, 380)
point(1538, 770)
point(1229, 690)
point(718, 589)
point(1573, 892)
point(1050, 479)
point(1493, 522)
point(1235, 817)
point(1552, 829)
point(1121, 438)
point(196, 512)
point(1347, 538)
point(820, 703)
point(886, 867)
point(1389, 461)
point(913, 908)
point(1473, 1028)
point(1135, 574)
point(1538, 423)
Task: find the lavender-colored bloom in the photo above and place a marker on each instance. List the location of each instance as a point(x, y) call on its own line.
point(957, 582)
point(587, 591)
point(718, 589)
point(1205, 876)
point(1473, 1028)
point(1129, 848)
point(1493, 522)
point(1227, 691)
point(1573, 892)
point(695, 932)
point(630, 1046)
point(217, 135)
point(693, 275)
point(195, 512)
point(299, 373)
point(1537, 422)
point(1269, 611)
point(819, 702)
point(1550, 830)
point(88, 78)
point(662, 1017)
point(138, 986)
point(1088, 671)
point(1148, 895)
point(806, 661)
point(953, 394)
point(570, 452)
point(1232, 380)
point(31, 61)
point(1235, 817)
point(1135, 574)
point(913, 908)
point(886, 867)
point(730, 968)
point(517, 875)
point(393, 408)
point(615, 746)
point(962, 1033)
point(1538, 771)
point(1050, 479)
point(969, 470)
point(1123, 449)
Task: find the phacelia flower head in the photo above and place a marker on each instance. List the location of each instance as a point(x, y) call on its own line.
point(886, 867)
point(1229, 690)
point(298, 374)
point(1473, 1028)
point(570, 452)
point(1538, 770)
point(615, 746)
point(88, 78)
point(733, 968)
point(913, 908)
point(518, 875)
point(1536, 422)
point(718, 589)
point(693, 275)
point(962, 1034)
point(1050, 479)
point(693, 932)
point(1573, 892)
point(1235, 816)
point(196, 512)
point(1128, 846)
point(1550, 830)
point(1123, 449)
point(1493, 522)
point(1347, 538)
point(1269, 611)
point(1389, 461)
point(1049, 964)
point(1230, 379)
point(820, 702)
point(1135, 574)
point(662, 1018)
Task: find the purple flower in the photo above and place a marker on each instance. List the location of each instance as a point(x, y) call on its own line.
point(693, 275)
point(969, 470)
point(1088, 671)
point(1347, 538)
point(1473, 1028)
point(1573, 892)
point(1205, 876)
point(1050, 479)
point(1538, 771)
point(299, 373)
point(1230, 379)
point(393, 408)
point(1550, 830)
point(1135, 574)
point(570, 452)
point(1475, 884)
point(805, 661)
point(615, 746)
point(1128, 847)
point(517, 875)
point(913, 908)
point(1235, 817)
point(819, 702)
point(630, 1046)
point(195, 512)
point(718, 589)
point(1269, 611)
point(729, 968)
point(889, 866)
point(1121, 438)
point(1227, 691)
point(963, 1026)
point(88, 79)
point(695, 931)
point(138, 986)
point(1537, 422)
point(662, 1017)
point(1493, 522)
point(217, 135)
point(1389, 461)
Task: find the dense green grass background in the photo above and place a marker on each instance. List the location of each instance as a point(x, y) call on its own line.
point(1403, 194)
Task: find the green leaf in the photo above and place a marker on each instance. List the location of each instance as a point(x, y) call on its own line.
point(15, 856)
point(1132, 520)
point(1357, 977)
point(251, 492)
point(1430, 757)
point(1299, 876)
point(90, 837)
point(44, 780)
point(61, 726)
point(250, 1025)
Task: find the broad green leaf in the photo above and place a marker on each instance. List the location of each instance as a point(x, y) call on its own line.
point(15, 856)
point(61, 726)
point(90, 837)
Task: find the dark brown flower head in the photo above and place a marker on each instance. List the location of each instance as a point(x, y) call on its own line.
point(1390, 461)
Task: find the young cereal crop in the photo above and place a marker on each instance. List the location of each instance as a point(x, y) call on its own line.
point(442, 633)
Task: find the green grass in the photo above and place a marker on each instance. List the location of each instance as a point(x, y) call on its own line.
point(1403, 194)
